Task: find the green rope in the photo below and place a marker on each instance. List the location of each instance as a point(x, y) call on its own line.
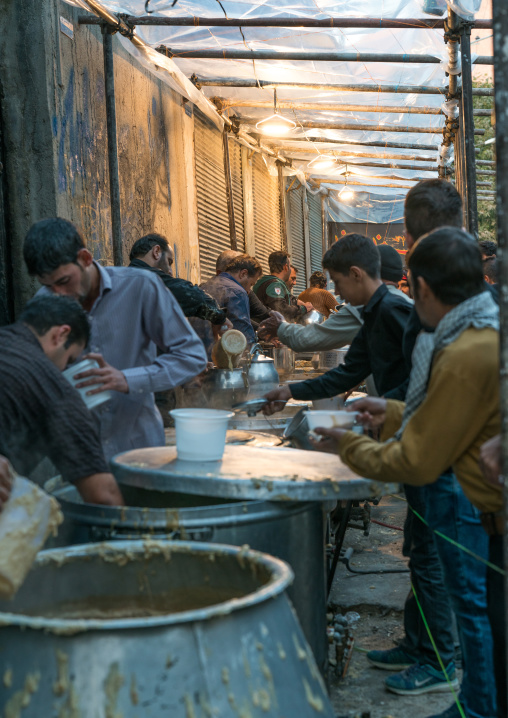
point(450, 540)
point(462, 714)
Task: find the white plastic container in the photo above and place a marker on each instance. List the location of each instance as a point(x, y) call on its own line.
point(27, 519)
point(331, 419)
point(85, 365)
point(200, 433)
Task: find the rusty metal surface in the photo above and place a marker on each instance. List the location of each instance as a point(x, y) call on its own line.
point(273, 474)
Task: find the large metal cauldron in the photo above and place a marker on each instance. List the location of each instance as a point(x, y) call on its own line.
point(173, 629)
point(293, 532)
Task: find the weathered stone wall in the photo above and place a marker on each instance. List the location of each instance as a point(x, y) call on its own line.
point(56, 142)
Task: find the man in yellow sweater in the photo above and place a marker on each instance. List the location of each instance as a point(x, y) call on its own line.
point(452, 403)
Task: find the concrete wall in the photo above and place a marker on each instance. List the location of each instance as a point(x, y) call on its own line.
point(56, 144)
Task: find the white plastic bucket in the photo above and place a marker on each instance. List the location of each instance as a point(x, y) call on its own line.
point(85, 365)
point(333, 403)
point(331, 419)
point(200, 433)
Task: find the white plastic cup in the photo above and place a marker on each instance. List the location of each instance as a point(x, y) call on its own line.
point(85, 365)
point(331, 419)
point(200, 433)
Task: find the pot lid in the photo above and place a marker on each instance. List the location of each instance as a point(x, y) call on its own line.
point(273, 474)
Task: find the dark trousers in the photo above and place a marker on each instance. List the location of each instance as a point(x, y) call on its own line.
point(427, 579)
point(497, 618)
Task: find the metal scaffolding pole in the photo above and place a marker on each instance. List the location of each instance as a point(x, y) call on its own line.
point(360, 143)
point(394, 89)
point(500, 10)
point(468, 128)
point(393, 165)
point(114, 180)
point(362, 127)
point(332, 22)
point(229, 190)
point(362, 184)
point(293, 152)
point(282, 203)
point(259, 55)
point(325, 107)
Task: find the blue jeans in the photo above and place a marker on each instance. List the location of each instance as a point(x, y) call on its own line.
point(450, 512)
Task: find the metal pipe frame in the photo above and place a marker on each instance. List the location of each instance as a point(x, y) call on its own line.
point(394, 166)
point(393, 89)
point(467, 128)
point(343, 153)
point(336, 180)
point(259, 55)
point(229, 190)
point(362, 184)
point(348, 22)
point(282, 204)
point(362, 127)
point(389, 109)
point(363, 143)
point(114, 177)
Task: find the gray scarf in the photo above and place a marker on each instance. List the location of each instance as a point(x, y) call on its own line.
point(480, 312)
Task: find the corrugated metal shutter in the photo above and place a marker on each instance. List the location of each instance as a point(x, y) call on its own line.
point(315, 231)
point(265, 190)
point(213, 221)
point(296, 239)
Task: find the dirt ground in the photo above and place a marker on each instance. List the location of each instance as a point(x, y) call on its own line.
point(379, 599)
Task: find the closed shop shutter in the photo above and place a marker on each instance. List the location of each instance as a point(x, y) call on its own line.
point(296, 239)
point(315, 232)
point(265, 191)
point(213, 220)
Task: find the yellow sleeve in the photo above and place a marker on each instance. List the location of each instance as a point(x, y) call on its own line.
point(393, 420)
point(440, 431)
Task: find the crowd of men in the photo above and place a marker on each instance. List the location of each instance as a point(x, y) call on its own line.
point(432, 418)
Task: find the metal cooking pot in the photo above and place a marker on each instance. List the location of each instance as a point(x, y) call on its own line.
point(290, 531)
point(313, 317)
point(262, 376)
point(224, 387)
point(213, 633)
point(284, 359)
point(330, 359)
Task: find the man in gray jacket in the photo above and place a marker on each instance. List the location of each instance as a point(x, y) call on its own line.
point(340, 328)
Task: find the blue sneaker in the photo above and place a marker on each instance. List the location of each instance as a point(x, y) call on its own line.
point(394, 659)
point(451, 712)
point(418, 679)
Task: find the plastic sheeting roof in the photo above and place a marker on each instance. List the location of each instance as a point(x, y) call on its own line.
point(300, 145)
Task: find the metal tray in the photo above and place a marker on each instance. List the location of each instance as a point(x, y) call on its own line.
point(273, 474)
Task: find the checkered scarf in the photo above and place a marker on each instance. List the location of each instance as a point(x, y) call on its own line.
point(479, 312)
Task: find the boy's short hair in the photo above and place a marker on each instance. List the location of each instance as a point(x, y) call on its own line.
point(450, 261)
point(277, 261)
point(47, 311)
point(144, 244)
point(244, 261)
point(49, 244)
point(353, 250)
point(431, 204)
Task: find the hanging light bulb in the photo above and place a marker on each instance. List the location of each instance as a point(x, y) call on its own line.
point(276, 125)
point(346, 192)
point(322, 162)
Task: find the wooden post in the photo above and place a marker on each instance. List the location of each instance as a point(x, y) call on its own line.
point(229, 190)
point(282, 203)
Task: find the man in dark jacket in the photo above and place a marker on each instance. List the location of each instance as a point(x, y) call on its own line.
point(354, 265)
point(152, 252)
point(273, 291)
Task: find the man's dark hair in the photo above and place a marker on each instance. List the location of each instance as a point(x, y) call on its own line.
point(488, 248)
point(277, 261)
point(490, 268)
point(145, 244)
point(43, 313)
point(450, 261)
point(431, 204)
point(51, 243)
point(353, 250)
point(295, 268)
point(244, 261)
point(318, 279)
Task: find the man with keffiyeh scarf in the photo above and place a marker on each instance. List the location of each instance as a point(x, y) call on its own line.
point(452, 403)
